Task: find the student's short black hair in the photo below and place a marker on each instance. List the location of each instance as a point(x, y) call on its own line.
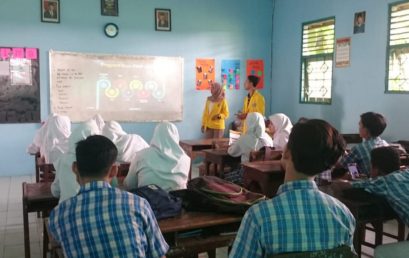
point(253, 79)
point(385, 159)
point(374, 122)
point(315, 146)
point(95, 156)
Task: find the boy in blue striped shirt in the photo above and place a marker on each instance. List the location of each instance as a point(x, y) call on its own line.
point(388, 180)
point(101, 221)
point(300, 218)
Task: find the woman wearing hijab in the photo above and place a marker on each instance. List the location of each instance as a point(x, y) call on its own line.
point(65, 184)
point(55, 141)
point(280, 127)
point(215, 113)
point(254, 139)
point(38, 140)
point(164, 163)
point(127, 144)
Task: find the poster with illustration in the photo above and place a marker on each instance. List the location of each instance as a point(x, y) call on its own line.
point(205, 73)
point(230, 74)
point(256, 67)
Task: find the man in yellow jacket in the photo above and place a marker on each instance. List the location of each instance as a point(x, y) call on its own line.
point(254, 101)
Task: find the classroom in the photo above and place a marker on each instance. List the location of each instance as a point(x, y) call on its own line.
point(268, 30)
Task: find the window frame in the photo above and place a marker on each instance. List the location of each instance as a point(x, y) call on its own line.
point(301, 101)
point(388, 49)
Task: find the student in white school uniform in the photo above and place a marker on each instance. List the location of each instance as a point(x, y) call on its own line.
point(164, 163)
point(35, 146)
point(65, 184)
point(254, 139)
point(127, 144)
point(55, 141)
point(280, 127)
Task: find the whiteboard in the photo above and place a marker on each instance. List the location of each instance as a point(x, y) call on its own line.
point(119, 87)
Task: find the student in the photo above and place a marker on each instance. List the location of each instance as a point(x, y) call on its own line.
point(300, 218)
point(389, 181)
point(127, 144)
point(102, 221)
point(280, 127)
point(164, 163)
point(254, 139)
point(371, 126)
point(215, 113)
point(65, 184)
point(55, 140)
point(254, 101)
point(39, 136)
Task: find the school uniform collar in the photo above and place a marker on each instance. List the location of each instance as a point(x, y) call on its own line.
point(297, 185)
point(94, 185)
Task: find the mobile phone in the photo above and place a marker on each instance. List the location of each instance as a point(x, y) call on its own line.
point(353, 170)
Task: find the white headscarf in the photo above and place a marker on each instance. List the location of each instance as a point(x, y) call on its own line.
point(164, 163)
point(282, 125)
point(254, 139)
point(56, 138)
point(38, 140)
point(99, 121)
point(65, 184)
point(127, 144)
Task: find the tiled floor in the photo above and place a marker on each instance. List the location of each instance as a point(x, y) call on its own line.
point(11, 223)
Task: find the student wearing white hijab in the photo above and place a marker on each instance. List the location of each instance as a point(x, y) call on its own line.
point(254, 139)
point(55, 141)
point(127, 144)
point(65, 184)
point(280, 127)
point(164, 163)
point(35, 146)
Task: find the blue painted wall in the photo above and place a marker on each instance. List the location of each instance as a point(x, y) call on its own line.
point(228, 29)
point(357, 88)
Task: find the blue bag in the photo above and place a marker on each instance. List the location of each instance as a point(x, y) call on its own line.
point(163, 204)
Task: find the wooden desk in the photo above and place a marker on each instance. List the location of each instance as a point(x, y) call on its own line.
point(263, 176)
point(37, 197)
point(210, 238)
point(194, 148)
point(373, 210)
point(220, 158)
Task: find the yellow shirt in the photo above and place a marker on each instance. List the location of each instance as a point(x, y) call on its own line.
point(218, 108)
point(256, 104)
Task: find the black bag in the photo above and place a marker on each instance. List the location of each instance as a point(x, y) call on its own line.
point(210, 193)
point(163, 204)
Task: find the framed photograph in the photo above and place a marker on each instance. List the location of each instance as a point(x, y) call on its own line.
point(359, 22)
point(109, 7)
point(50, 11)
point(163, 20)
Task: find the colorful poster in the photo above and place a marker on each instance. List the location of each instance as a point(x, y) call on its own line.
point(256, 67)
point(205, 73)
point(231, 74)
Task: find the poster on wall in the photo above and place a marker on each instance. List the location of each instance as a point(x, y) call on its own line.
point(256, 67)
point(342, 52)
point(205, 73)
point(230, 74)
point(19, 85)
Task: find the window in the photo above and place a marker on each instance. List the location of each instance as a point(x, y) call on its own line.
point(398, 49)
point(317, 59)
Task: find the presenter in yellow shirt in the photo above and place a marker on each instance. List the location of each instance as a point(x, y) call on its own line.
point(215, 112)
point(254, 101)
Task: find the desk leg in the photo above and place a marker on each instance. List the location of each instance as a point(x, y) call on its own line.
point(207, 168)
point(358, 235)
point(26, 231)
point(221, 170)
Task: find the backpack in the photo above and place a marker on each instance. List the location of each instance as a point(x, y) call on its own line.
point(210, 193)
point(163, 204)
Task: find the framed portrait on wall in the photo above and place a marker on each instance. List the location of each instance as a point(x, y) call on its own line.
point(163, 20)
point(50, 11)
point(359, 22)
point(109, 7)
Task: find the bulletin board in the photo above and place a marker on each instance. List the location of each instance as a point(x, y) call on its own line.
point(19, 85)
point(119, 87)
